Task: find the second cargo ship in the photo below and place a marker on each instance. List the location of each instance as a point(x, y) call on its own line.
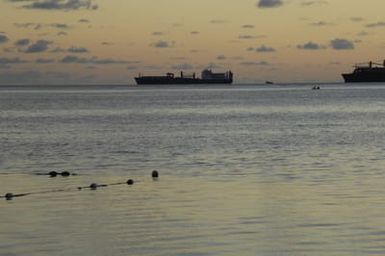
point(373, 72)
point(207, 77)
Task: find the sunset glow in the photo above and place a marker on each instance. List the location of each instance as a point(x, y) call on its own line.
point(110, 42)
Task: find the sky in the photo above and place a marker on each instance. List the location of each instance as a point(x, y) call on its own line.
point(111, 41)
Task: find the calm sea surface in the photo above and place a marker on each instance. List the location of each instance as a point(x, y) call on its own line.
point(244, 170)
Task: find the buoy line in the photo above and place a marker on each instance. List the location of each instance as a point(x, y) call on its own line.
point(92, 186)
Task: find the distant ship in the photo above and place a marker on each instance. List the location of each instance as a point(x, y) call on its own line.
point(373, 72)
point(207, 77)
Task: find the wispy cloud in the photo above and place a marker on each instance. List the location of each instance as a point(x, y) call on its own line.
point(269, 3)
point(74, 49)
point(22, 42)
point(376, 25)
point(3, 38)
point(72, 59)
point(320, 24)
point(163, 44)
point(66, 5)
point(44, 61)
point(254, 63)
point(310, 46)
point(182, 66)
point(264, 48)
point(314, 2)
point(16, 60)
point(341, 44)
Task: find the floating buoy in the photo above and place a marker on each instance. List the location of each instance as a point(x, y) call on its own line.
point(65, 174)
point(8, 196)
point(155, 174)
point(130, 182)
point(52, 174)
point(93, 186)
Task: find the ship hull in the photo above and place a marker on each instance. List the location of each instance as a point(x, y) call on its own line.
point(363, 77)
point(176, 81)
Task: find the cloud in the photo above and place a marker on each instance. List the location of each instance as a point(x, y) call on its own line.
point(248, 26)
point(320, 24)
point(314, 2)
point(254, 63)
point(362, 33)
point(5, 61)
point(44, 61)
point(59, 25)
point(3, 38)
point(163, 44)
point(341, 44)
point(66, 5)
point(357, 19)
point(157, 33)
point(310, 46)
point(376, 25)
point(22, 42)
point(221, 57)
point(24, 25)
point(212, 66)
point(72, 59)
point(269, 3)
point(37, 26)
point(182, 66)
point(39, 46)
point(218, 21)
point(74, 49)
point(246, 37)
point(264, 48)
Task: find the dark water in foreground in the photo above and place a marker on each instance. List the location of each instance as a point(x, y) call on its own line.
point(244, 170)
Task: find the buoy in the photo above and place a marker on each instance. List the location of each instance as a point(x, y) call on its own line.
point(155, 174)
point(52, 174)
point(8, 196)
point(65, 174)
point(130, 182)
point(93, 186)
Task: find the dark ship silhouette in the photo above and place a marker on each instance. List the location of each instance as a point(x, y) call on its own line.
point(207, 77)
point(373, 72)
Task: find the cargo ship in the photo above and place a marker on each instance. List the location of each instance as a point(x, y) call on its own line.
point(207, 77)
point(372, 72)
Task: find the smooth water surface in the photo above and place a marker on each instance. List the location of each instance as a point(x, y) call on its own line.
point(245, 170)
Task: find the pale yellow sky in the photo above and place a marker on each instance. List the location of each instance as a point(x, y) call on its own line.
point(110, 41)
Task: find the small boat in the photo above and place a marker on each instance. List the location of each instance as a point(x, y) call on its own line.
point(316, 87)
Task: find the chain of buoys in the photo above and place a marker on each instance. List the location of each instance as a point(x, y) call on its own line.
point(53, 174)
point(92, 186)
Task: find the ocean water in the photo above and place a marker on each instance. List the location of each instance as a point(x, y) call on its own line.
point(244, 170)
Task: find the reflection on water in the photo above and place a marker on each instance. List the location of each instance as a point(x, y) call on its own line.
point(244, 171)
